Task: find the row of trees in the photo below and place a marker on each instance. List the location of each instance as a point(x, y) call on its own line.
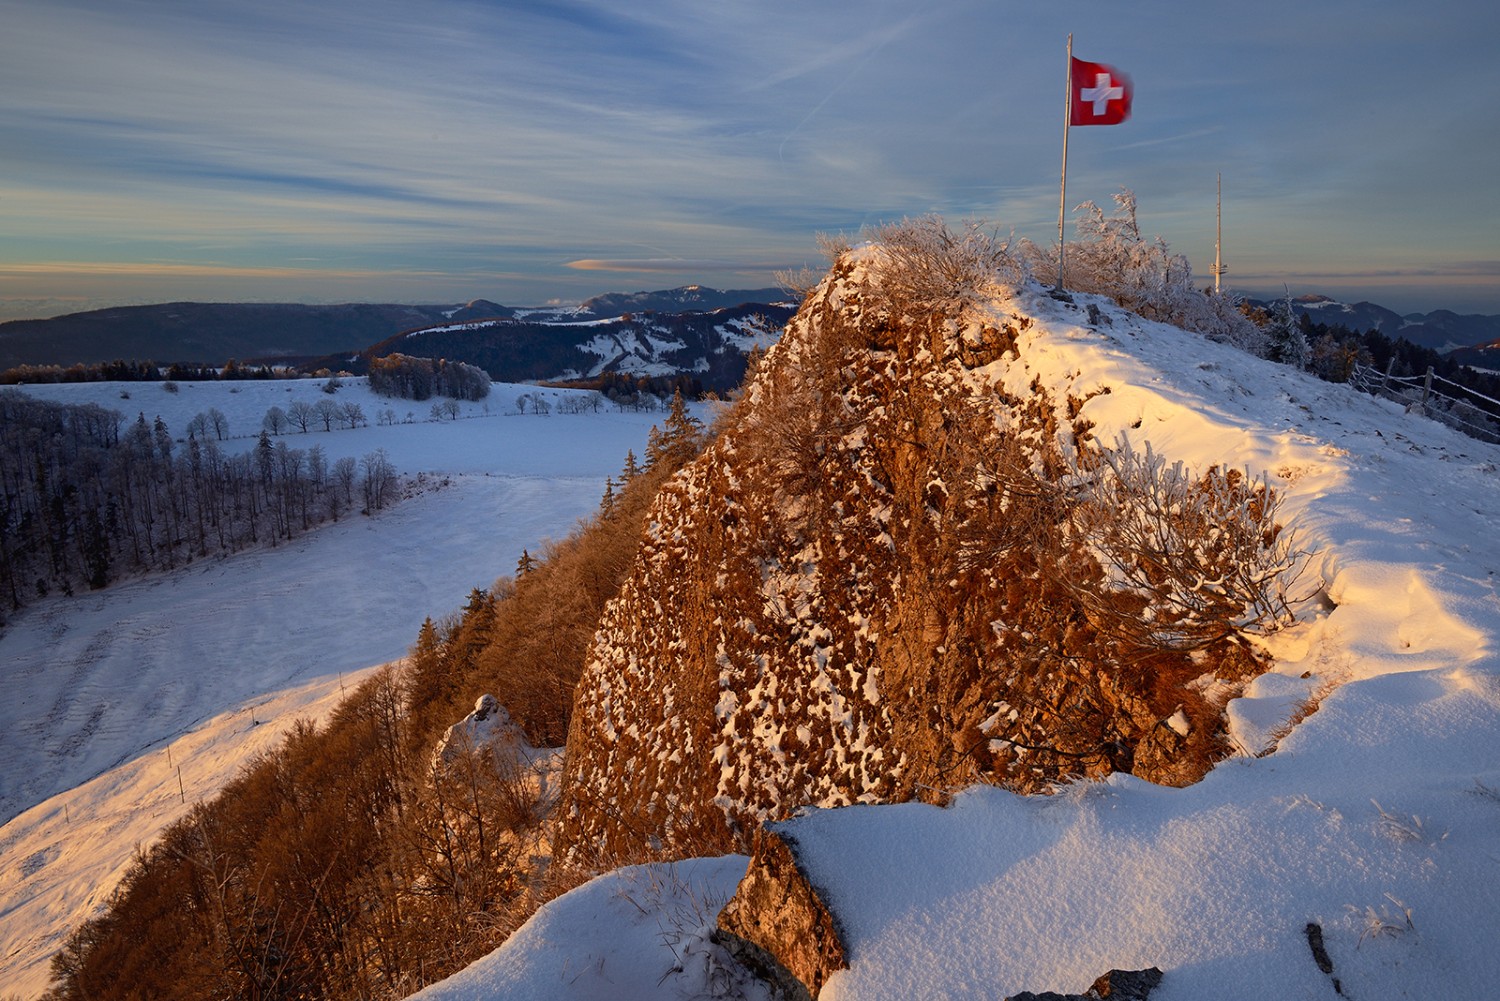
point(303, 417)
point(353, 862)
point(413, 378)
point(86, 498)
point(143, 371)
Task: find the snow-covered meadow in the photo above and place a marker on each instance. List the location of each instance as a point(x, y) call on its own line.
point(123, 707)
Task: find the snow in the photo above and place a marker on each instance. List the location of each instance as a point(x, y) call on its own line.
point(1377, 816)
point(635, 934)
point(210, 662)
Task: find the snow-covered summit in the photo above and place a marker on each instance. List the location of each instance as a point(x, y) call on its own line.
point(1362, 794)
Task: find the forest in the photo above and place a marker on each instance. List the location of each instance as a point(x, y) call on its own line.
point(87, 498)
point(355, 862)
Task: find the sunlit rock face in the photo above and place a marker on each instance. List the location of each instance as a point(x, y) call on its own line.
point(839, 601)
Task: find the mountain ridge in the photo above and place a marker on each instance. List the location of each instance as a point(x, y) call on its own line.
point(215, 332)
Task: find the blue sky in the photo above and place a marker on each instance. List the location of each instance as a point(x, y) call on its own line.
point(153, 150)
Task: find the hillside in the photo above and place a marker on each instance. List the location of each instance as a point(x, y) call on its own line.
point(693, 329)
point(1357, 794)
point(125, 708)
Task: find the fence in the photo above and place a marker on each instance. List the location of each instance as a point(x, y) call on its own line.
point(1436, 396)
point(1441, 399)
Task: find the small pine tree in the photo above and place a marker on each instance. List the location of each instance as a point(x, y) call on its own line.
point(677, 440)
point(632, 467)
point(607, 502)
point(525, 564)
point(1285, 340)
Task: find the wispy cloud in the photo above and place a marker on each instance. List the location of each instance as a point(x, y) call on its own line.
point(510, 138)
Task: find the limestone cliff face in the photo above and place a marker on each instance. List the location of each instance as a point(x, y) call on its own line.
point(838, 603)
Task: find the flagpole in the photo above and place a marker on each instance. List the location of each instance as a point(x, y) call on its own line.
point(1062, 199)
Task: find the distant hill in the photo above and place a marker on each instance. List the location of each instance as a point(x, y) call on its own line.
point(207, 332)
point(1441, 329)
point(667, 331)
point(536, 345)
point(677, 300)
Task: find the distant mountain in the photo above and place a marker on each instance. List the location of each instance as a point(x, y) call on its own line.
point(213, 333)
point(678, 300)
point(1485, 356)
point(533, 345)
point(1442, 330)
point(208, 332)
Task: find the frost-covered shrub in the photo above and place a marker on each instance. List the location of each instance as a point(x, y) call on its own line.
point(1110, 257)
point(926, 267)
point(1185, 561)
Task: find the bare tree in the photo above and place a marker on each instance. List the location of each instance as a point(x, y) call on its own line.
point(275, 420)
point(326, 412)
point(301, 415)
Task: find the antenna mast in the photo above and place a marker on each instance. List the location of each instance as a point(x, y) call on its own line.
point(1219, 267)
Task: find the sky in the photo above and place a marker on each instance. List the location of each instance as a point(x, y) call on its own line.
point(536, 152)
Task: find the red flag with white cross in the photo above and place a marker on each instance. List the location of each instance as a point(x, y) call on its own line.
point(1101, 94)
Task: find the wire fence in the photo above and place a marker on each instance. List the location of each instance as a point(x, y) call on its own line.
point(1432, 395)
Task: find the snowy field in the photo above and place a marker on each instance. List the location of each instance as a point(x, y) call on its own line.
point(108, 694)
point(1377, 819)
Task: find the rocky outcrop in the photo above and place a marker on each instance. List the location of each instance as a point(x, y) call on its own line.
point(777, 923)
point(1116, 985)
point(855, 595)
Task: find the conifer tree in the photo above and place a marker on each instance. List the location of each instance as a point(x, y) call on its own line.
point(1285, 340)
point(525, 564)
point(677, 440)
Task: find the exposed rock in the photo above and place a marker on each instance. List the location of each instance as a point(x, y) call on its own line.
point(1116, 985)
point(778, 924)
point(843, 600)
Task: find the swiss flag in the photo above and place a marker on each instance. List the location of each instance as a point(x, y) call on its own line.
point(1101, 94)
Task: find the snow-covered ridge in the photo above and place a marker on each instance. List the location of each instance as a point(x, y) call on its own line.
point(1364, 794)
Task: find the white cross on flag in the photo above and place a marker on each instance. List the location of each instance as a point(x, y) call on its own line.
point(1101, 94)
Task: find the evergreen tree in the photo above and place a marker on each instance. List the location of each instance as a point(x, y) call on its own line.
point(1285, 340)
point(677, 440)
point(525, 564)
point(632, 467)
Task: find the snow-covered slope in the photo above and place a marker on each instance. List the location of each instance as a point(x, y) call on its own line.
point(1377, 818)
point(107, 693)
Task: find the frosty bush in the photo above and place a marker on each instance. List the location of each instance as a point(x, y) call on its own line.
point(925, 267)
point(1186, 560)
point(1111, 258)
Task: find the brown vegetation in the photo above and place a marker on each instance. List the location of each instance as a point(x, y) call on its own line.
point(348, 864)
point(890, 576)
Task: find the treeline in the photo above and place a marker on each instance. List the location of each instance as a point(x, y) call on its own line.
point(143, 371)
point(353, 862)
point(638, 392)
point(422, 378)
point(86, 498)
point(1335, 349)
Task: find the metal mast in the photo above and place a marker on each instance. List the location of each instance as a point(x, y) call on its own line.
point(1062, 198)
point(1219, 267)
